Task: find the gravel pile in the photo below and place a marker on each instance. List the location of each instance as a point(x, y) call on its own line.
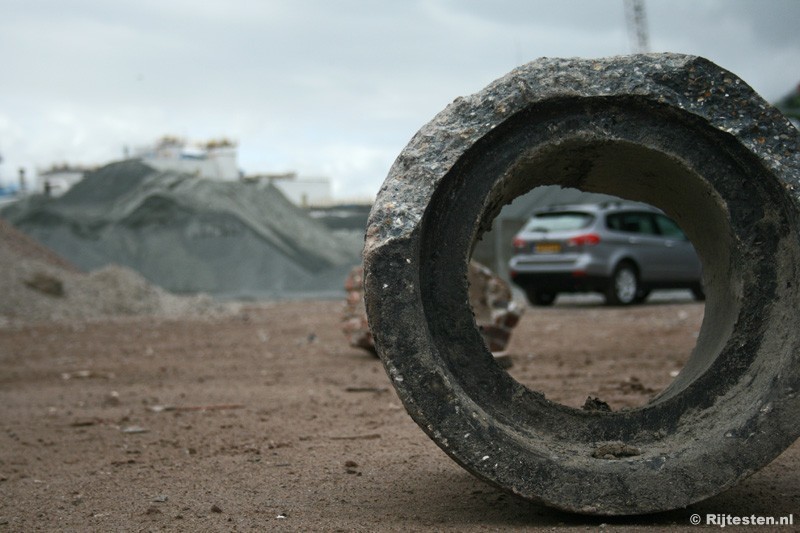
point(38, 285)
point(190, 235)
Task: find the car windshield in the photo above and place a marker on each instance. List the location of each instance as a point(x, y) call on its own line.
point(561, 221)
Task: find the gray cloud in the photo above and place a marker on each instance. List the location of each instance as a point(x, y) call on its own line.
point(326, 88)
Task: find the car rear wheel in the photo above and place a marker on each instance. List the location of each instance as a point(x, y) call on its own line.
point(544, 298)
point(624, 287)
point(540, 298)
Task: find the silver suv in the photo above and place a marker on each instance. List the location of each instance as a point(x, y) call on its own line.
point(621, 250)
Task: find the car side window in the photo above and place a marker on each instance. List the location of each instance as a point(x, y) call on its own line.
point(632, 222)
point(669, 228)
point(614, 222)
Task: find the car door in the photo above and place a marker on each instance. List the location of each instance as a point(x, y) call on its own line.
point(638, 238)
point(679, 260)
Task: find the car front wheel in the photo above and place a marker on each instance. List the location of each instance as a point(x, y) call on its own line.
point(698, 292)
point(624, 287)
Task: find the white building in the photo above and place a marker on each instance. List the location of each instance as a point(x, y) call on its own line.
point(58, 179)
point(306, 191)
point(215, 159)
point(303, 192)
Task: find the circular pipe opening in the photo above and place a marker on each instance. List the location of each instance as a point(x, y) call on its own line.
point(645, 174)
point(594, 146)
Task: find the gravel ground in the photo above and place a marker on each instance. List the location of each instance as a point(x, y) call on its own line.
point(266, 420)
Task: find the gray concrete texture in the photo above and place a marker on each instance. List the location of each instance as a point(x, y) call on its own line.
point(674, 131)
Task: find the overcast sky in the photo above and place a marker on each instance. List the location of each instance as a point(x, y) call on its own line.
point(330, 88)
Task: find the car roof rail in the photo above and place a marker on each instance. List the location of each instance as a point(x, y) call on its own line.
point(556, 207)
point(609, 204)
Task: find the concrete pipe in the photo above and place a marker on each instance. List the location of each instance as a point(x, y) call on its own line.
point(674, 131)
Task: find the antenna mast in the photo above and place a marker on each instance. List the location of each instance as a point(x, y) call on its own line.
point(636, 19)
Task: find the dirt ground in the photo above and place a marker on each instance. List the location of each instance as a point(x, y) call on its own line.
point(266, 420)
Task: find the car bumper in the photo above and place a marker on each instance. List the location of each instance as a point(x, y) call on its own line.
point(559, 282)
point(558, 273)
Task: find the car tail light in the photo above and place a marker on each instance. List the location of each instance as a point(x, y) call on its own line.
point(518, 243)
point(589, 239)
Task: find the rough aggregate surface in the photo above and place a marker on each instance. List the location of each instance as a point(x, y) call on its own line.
point(675, 131)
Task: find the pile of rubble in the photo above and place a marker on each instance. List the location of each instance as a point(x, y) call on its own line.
point(493, 305)
point(38, 285)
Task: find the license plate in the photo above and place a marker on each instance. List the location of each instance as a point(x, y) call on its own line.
point(548, 248)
